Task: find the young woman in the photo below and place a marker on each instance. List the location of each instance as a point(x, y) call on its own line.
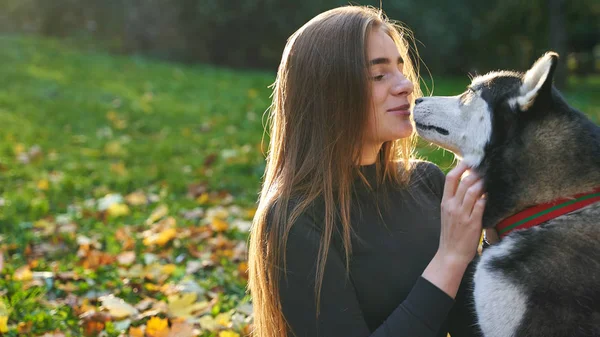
point(353, 237)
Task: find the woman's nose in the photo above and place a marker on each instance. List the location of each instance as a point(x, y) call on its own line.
point(403, 87)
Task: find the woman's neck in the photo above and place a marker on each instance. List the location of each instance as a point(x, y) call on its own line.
point(370, 153)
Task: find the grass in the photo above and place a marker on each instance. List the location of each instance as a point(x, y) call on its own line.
point(101, 155)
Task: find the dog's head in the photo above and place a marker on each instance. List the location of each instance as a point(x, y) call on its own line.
point(492, 104)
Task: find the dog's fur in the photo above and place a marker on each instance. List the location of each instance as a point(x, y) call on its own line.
point(518, 133)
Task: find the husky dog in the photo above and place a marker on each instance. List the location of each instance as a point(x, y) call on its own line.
point(540, 162)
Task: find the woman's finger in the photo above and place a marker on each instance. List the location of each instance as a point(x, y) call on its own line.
point(472, 194)
point(453, 178)
point(478, 209)
point(464, 186)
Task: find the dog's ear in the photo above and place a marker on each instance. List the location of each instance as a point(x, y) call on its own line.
point(537, 81)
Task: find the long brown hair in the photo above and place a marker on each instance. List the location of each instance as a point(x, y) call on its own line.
point(317, 124)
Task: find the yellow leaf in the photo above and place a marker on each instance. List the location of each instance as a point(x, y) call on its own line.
point(157, 326)
point(3, 324)
point(157, 214)
point(118, 169)
point(228, 333)
point(115, 149)
point(112, 116)
point(250, 212)
point(219, 225)
point(152, 287)
point(43, 185)
point(185, 305)
point(203, 198)
point(23, 274)
point(19, 148)
point(223, 319)
point(168, 269)
point(136, 199)
point(136, 332)
point(117, 210)
point(161, 238)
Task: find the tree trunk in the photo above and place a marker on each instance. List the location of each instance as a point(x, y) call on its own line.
point(558, 39)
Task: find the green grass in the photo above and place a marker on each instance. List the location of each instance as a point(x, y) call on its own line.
point(77, 126)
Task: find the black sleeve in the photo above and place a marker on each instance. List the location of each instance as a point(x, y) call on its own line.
point(422, 313)
point(462, 320)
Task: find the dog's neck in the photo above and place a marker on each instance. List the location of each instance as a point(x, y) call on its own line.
point(558, 159)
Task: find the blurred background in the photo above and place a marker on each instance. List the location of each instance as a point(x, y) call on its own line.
point(132, 143)
point(455, 37)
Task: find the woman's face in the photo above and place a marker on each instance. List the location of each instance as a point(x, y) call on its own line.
point(391, 92)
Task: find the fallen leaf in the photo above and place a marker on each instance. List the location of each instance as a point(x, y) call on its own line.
point(161, 238)
point(136, 332)
point(117, 308)
point(23, 274)
point(228, 333)
point(223, 319)
point(136, 199)
point(184, 305)
point(126, 258)
point(114, 149)
point(118, 168)
point(219, 225)
point(181, 329)
point(43, 185)
point(157, 326)
point(208, 322)
point(203, 198)
point(117, 210)
point(168, 269)
point(157, 214)
point(23, 327)
point(3, 324)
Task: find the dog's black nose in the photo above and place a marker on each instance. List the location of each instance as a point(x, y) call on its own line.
point(418, 100)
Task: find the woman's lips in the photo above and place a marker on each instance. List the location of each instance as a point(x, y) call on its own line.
point(402, 110)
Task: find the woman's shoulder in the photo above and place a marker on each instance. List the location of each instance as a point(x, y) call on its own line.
point(304, 214)
point(427, 174)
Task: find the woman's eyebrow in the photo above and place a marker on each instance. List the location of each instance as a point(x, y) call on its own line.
point(384, 60)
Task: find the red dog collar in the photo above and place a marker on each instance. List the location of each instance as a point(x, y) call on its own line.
point(538, 214)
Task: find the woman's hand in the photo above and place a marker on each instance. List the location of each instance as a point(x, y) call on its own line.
point(462, 210)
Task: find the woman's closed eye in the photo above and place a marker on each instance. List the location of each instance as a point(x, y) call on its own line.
point(377, 77)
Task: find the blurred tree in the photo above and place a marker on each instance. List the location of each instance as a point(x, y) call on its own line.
point(453, 37)
point(558, 39)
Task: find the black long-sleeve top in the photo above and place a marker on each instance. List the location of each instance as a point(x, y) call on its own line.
point(385, 294)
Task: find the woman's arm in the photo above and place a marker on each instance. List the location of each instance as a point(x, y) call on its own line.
point(422, 313)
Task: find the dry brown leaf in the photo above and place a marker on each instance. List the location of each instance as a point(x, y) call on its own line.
point(181, 329)
point(136, 332)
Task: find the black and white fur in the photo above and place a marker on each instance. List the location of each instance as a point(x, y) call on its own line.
point(530, 147)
